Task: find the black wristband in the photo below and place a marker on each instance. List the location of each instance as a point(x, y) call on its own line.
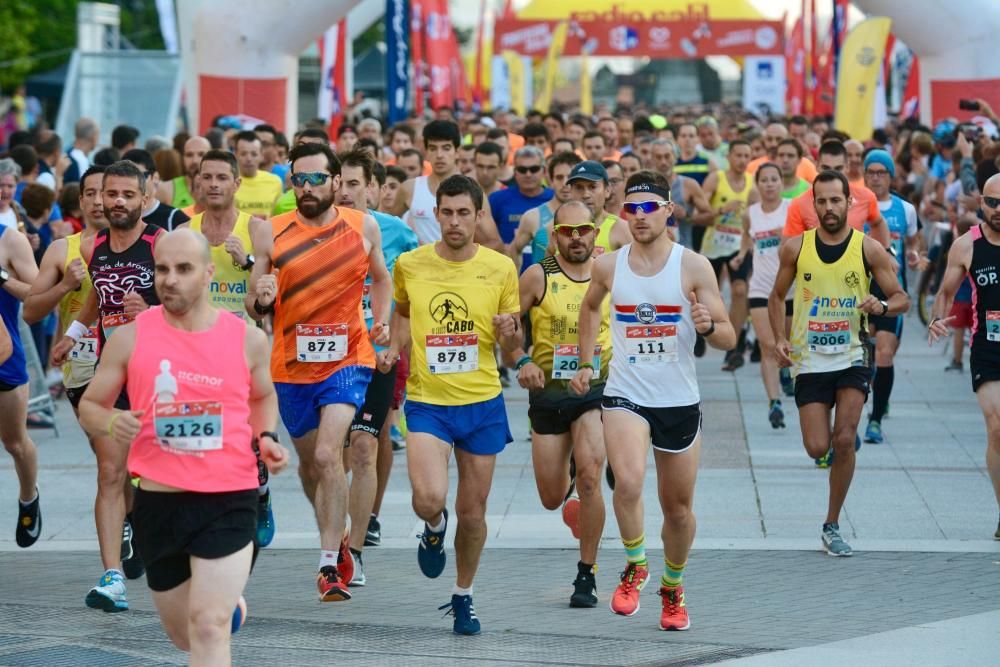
point(271, 434)
point(262, 310)
point(711, 330)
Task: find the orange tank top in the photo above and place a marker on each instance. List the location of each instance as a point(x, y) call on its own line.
point(319, 326)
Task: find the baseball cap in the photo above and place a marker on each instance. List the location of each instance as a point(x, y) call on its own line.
point(588, 170)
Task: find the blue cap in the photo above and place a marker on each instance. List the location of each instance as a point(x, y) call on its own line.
point(588, 170)
point(879, 156)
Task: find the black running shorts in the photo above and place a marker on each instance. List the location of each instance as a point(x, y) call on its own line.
point(671, 430)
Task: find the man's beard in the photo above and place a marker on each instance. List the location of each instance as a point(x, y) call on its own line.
point(993, 221)
point(313, 207)
point(129, 221)
point(833, 226)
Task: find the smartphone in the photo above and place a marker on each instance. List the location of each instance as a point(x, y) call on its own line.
point(968, 105)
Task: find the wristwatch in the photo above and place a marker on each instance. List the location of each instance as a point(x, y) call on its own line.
point(249, 263)
point(885, 307)
point(4, 276)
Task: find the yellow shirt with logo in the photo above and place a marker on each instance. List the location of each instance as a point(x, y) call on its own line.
point(555, 328)
point(258, 194)
point(79, 368)
point(829, 331)
point(452, 305)
point(723, 237)
point(602, 243)
point(228, 288)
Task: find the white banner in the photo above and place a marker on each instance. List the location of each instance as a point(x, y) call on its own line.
point(168, 25)
point(764, 84)
point(327, 101)
point(499, 83)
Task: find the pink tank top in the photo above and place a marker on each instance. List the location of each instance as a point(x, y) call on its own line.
point(195, 389)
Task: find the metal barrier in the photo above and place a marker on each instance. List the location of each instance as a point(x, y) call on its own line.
point(39, 398)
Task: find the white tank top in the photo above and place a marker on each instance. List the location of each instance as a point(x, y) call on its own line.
point(652, 336)
point(765, 231)
point(420, 216)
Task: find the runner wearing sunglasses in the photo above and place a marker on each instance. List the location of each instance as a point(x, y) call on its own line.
point(588, 183)
point(662, 297)
point(534, 226)
point(310, 271)
point(977, 254)
point(528, 192)
point(564, 425)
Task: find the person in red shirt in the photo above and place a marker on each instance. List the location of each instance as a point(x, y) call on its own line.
point(863, 206)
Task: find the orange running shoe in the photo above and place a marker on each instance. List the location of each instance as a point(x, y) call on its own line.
point(675, 614)
point(571, 514)
point(625, 601)
point(345, 559)
point(331, 587)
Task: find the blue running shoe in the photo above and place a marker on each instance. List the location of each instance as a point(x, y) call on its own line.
point(787, 383)
point(265, 521)
point(873, 433)
point(430, 553)
point(109, 593)
point(239, 616)
point(466, 621)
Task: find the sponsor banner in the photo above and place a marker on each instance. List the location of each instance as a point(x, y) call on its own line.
point(664, 39)
point(397, 58)
point(764, 85)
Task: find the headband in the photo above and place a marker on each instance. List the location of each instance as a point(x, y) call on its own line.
point(650, 188)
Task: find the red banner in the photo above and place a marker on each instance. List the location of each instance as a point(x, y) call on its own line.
point(911, 96)
point(946, 94)
point(665, 39)
point(795, 64)
point(442, 55)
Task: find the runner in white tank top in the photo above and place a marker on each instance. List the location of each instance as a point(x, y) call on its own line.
point(763, 223)
point(420, 216)
point(662, 298)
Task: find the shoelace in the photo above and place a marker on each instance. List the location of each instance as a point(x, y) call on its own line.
point(450, 606)
point(673, 600)
point(629, 577)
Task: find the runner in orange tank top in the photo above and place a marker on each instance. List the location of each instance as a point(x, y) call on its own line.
point(310, 271)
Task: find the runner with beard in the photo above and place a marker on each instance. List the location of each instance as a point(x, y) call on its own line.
point(121, 271)
point(830, 352)
point(310, 273)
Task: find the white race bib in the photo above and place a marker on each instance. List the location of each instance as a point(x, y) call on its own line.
point(767, 242)
point(829, 337)
point(566, 361)
point(727, 238)
point(85, 349)
point(366, 302)
point(993, 325)
point(452, 353)
point(655, 344)
point(320, 343)
point(194, 426)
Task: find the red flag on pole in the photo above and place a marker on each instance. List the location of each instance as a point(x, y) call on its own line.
point(812, 80)
point(911, 96)
point(795, 63)
point(332, 54)
point(417, 53)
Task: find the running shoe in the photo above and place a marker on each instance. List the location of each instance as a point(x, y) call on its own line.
point(787, 383)
point(873, 434)
point(29, 522)
point(755, 353)
point(699, 347)
point(373, 537)
point(265, 520)
point(345, 559)
point(571, 512)
point(398, 441)
point(466, 621)
point(132, 564)
point(734, 360)
point(833, 543)
point(955, 366)
point(239, 616)
point(776, 416)
point(625, 601)
point(331, 586)
point(996, 535)
point(109, 593)
point(674, 615)
point(827, 459)
point(430, 554)
point(359, 578)
point(584, 588)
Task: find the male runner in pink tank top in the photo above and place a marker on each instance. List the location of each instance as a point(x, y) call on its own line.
point(199, 402)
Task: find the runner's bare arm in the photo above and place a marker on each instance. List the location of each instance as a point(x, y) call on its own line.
point(704, 215)
point(399, 337)
point(788, 255)
point(21, 265)
point(381, 289)
point(486, 230)
point(878, 229)
point(263, 245)
point(601, 277)
point(959, 260)
point(263, 399)
point(699, 281)
point(885, 273)
point(710, 185)
point(746, 243)
point(526, 230)
point(531, 288)
point(98, 417)
point(51, 285)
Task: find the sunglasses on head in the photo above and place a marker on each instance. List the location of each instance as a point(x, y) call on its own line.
point(533, 169)
point(569, 230)
point(311, 177)
point(646, 207)
point(992, 202)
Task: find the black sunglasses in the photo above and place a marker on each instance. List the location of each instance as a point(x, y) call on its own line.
point(533, 169)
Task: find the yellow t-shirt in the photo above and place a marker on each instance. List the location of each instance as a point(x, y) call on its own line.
point(452, 305)
point(724, 235)
point(228, 288)
point(79, 368)
point(258, 194)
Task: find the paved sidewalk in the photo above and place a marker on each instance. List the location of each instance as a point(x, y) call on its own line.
point(921, 515)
